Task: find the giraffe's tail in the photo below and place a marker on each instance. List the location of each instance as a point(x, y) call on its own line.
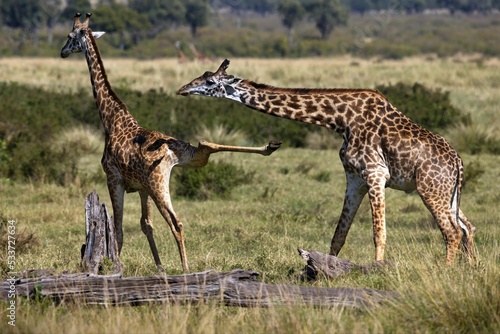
point(467, 228)
point(457, 192)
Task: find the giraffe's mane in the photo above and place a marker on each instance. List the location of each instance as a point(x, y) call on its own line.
point(306, 91)
point(112, 93)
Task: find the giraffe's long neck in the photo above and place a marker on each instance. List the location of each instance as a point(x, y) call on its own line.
point(337, 109)
point(111, 108)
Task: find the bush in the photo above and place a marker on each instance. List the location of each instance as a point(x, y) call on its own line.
point(33, 121)
point(34, 142)
point(472, 172)
point(475, 139)
point(30, 119)
point(430, 108)
point(213, 180)
point(182, 117)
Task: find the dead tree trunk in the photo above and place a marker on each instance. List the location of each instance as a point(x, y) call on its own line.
point(101, 240)
point(234, 288)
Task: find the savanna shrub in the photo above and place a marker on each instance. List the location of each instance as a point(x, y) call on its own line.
point(430, 108)
point(214, 180)
point(475, 139)
point(472, 173)
point(32, 118)
point(29, 120)
point(181, 118)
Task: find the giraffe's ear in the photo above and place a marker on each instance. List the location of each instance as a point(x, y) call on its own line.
point(97, 34)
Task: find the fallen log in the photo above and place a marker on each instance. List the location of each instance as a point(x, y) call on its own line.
point(332, 267)
point(235, 288)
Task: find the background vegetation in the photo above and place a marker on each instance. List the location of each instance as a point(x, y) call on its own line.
point(37, 146)
point(269, 28)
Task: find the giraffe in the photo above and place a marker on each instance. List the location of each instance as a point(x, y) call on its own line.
point(381, 148)
point(198, 55)
point(136, 159)
point(181, 56)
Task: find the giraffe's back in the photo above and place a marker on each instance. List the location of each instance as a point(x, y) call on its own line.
point(138, 157)
point(414, 154)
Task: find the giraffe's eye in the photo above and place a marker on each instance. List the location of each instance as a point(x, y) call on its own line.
point(210, 82)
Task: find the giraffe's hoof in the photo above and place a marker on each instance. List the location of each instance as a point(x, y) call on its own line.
point(274, 145)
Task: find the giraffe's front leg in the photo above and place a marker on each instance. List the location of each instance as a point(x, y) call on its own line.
point(376, 192)
point(355, 192)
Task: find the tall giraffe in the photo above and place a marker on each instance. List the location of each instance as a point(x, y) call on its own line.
point(137, 159)
point(381, 148)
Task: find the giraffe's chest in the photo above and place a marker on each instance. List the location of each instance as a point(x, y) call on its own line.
point(121, 164)
point(123, 172)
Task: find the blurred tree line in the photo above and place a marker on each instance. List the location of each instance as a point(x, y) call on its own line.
point(133, 20)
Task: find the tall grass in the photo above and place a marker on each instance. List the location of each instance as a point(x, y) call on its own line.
point(259, 227)
point(294, 201)
point(221, 134)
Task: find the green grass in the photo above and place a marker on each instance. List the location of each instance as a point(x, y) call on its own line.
point(294, 201)
point(259, 228)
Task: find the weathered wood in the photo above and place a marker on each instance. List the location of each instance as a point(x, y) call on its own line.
point(101, 239)
point(236, 288)
point(333, 267)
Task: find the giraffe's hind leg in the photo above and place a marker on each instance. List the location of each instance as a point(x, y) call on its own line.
point(164, 205)
point(147, 226)
point(439, 205)
point(468, 236)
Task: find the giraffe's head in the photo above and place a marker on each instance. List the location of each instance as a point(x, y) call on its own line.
point(213, 84)
point(76, 38)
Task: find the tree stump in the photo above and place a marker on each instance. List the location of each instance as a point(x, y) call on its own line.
point(332, 267)
point(100, 243)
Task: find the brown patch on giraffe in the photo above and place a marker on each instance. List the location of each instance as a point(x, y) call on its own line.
point(327, 107)
point(341, 108)
point(310, 107)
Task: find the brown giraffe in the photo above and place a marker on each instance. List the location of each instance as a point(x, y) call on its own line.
point(181, 56)
point(137, 159)
point(381, 148)
point(198, 55)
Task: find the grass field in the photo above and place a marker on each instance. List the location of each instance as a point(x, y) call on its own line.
point(294, 201)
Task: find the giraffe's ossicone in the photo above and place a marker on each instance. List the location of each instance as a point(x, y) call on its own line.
point(382, 148)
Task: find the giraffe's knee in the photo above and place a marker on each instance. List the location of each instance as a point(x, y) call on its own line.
point(146, 226)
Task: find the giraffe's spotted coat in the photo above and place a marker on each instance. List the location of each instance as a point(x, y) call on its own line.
point(382, 148)
point(137, 159)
